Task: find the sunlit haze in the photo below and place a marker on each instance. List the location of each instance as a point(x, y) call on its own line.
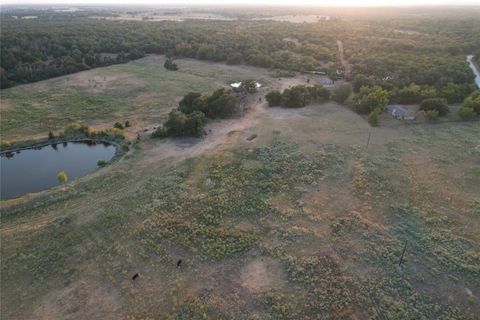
point(255, 2)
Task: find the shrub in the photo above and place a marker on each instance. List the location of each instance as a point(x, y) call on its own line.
point(5, 144)
point(342, 93)
point(62, 177)
point(435, 104)
point(318, 94)
point(127, 124)
point(51, 136)
point(466, 113)
point(77, 129)
point(101, 163)
point(473, 101)
point(118, 125)
point(430, 115)
point(373, 118)
point(274, 98)
point(170, 65)
point(249, 86)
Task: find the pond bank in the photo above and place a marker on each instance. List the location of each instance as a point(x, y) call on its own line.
point(33, 144)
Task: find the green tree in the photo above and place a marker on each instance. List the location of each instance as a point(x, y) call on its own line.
point(342, 93)
point(318, 93)
point(274, 98)
point(373, 118)
point(473, 102)
point(371, 98)
point(466, 113)
point(192, 101)
point(180, 124)
point(295, 97)
point(220, 104)
point(435, 104)
point(51, 136)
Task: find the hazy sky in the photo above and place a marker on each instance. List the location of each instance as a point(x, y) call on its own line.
point(258, 2)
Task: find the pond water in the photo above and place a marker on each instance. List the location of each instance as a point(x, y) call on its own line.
point(33, 170)
point(474, 69)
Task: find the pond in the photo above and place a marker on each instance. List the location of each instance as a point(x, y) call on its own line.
point(474, 69)
point(33, 170)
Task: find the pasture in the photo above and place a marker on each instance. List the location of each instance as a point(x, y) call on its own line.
point(140, 91)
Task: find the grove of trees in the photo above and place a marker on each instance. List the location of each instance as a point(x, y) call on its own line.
point(298, 96)
point(193, 109)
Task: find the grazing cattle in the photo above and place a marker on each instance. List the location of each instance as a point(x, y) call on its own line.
point(135, 276)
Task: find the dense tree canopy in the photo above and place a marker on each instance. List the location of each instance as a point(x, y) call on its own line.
point(413, 58)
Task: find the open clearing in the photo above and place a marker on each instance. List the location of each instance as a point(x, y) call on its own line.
point(303, 221)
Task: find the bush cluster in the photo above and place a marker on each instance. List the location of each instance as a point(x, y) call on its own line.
point(170, 65)
point(77, 129)
point(298, 96)
point(471, 107)
point(435, 104)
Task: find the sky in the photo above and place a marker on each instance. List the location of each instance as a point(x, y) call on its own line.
point(256, 2)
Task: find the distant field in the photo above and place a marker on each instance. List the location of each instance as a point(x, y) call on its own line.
point(300, 18)
point(141, 91)
point(165, 17)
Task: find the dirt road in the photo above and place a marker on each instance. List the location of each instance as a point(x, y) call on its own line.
point(345, 64)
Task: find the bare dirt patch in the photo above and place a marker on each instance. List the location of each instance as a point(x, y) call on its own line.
point(81, 300)
point(99, 83)
point(262, 274)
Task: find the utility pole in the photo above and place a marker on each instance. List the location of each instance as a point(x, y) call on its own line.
point(368, 141)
